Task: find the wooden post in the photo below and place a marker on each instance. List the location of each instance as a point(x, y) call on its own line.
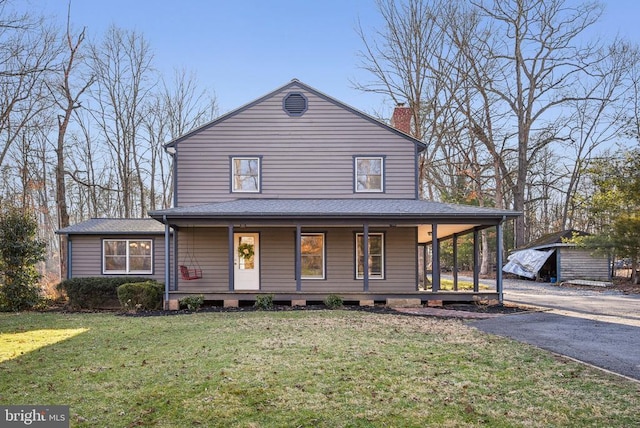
point(231, 258)
point(365, 255)
point(298, 267)
point(499, 262)
point(435, 259)
point(476, 260)
point(455, 262)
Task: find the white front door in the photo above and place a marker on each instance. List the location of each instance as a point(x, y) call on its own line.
point(246, 261)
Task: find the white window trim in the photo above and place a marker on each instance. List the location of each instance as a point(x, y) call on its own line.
point(127, 270)
point(233, 174)
point(324, 254)
point(371, 276)
point(355, 174)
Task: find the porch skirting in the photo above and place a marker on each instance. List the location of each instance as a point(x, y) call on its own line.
point(423, 296)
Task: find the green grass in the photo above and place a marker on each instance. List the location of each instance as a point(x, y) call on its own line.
point(299, 368)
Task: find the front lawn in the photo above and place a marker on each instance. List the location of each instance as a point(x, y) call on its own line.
point(297, 368)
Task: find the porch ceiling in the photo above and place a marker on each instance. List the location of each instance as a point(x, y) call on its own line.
point(444, 231)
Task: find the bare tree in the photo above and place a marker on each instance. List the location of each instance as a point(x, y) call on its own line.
point(542, 66)
point(122, 64)
point(507, 71)
point(67, 93)
point(177, 108)
point(28, 52)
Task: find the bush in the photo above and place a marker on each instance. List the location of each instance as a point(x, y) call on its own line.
point(333, 301)
point(192, 303)
point(264, 302)
point(20, 250)
point(141, 295)
point(95, 292)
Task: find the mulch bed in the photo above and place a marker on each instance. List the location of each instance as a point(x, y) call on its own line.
point(380, 309)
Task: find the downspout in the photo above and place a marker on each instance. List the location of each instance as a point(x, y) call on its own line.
point(167, 262)
point(69, 257)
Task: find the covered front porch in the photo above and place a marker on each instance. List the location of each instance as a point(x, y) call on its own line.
point(299, 257)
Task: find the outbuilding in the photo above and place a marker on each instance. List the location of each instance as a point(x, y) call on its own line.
point(552, 257)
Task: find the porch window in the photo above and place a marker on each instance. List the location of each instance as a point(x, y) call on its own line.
point(369, 173)
point(376, 255)
point(245, 174)
point(127, 256)
point(313, 255)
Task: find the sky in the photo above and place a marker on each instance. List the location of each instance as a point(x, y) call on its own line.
point(243, 49)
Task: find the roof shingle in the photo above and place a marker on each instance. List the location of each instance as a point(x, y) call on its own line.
point(106, 226)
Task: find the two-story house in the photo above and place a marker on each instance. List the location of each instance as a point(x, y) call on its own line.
point(297, 195)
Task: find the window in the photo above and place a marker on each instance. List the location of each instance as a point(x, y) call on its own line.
point(369, 174)
point(245, 174)
point(312, 251)
point(376, 255)
point(127, 256)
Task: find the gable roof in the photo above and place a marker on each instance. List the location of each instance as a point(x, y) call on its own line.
point(295, 83)
point(114, 226)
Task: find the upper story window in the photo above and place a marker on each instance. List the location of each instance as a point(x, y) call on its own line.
point(245, 174)
point(127, 256)
point(369, 174)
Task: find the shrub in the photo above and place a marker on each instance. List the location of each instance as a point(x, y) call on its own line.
point(20, 250)
point(333, 301)
point(95, 292)
point(141, 295)
point(264, 302)
point(192, 303)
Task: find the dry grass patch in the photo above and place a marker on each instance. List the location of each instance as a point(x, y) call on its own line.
point(304, 368)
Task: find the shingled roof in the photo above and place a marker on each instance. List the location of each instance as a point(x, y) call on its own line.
point(331, 208)
point(114, 226)
point(554, 239)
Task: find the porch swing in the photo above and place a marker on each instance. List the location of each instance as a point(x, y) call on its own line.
point(190, 268)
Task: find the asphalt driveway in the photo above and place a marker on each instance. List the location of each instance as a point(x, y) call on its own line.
point(599, 328)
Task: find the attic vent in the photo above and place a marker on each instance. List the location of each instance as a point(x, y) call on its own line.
point(295, 104)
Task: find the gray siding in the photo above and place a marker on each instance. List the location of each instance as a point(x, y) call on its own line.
point(302, 157)
point(277, 260)
point(208, 248)
point(581, 264)
point(86, 257)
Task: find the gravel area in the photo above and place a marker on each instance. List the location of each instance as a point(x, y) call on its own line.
point(543, 288)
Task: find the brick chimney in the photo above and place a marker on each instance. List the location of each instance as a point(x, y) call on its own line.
point(401, 119)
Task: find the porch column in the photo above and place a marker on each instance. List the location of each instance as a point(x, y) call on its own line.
point(499, 261)
point(365, 255)
point(231, 257)
point(298, 267)
point(455, 262)
point(167, 261)
point(435, 259)
point(476, 260)
point(424, 266)
point(175, 260)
